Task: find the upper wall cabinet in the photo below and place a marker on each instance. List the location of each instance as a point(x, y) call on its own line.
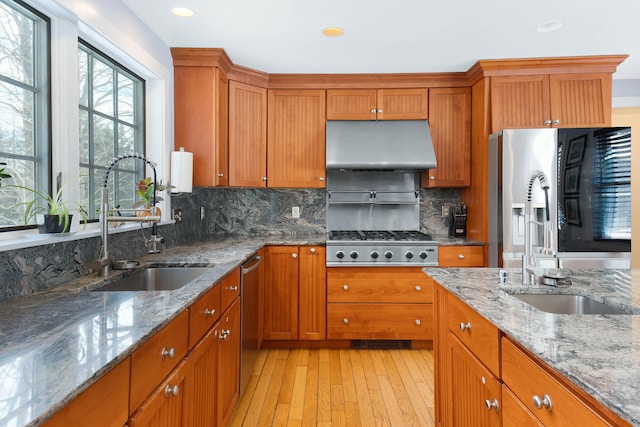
point(555, 100)
point(449, 121)
point(296, 139)
point(377, 104)
point(201, 113)
point(247, 135)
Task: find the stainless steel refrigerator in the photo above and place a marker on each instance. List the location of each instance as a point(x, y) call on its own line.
point(589, 196)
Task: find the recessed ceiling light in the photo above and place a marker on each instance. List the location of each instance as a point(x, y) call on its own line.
point(333, 31)
point(549, 26)
point(182, 11)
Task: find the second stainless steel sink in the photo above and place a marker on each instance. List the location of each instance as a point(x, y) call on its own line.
point(156, 279)
point(568, 304)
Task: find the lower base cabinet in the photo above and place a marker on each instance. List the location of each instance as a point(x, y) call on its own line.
point(482, 378)
point(228, 375)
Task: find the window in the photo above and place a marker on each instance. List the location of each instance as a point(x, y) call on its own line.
point(24, 107)
point(111, 123)
point(612, 188)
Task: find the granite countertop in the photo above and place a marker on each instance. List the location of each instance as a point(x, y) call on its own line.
point(55, 344)
point(598, 353)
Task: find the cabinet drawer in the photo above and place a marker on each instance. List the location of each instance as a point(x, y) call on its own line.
point(477, 333)
point(514, 413)
point(203, 313)
point(229, 289)
point(104, 404)
point(460, 256)
point(527, 380)
point(380, 321)
point(379, 284)
point(157, 357)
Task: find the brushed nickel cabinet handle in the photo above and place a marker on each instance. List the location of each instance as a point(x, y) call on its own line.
point(465, 326)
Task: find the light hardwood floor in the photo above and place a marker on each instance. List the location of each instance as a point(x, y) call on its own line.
point(339, 387)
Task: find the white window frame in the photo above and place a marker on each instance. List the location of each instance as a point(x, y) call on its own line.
point(135, 47)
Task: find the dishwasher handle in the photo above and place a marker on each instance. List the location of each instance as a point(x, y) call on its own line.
point(255, 261)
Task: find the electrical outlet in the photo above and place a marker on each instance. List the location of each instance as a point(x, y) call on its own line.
point(445, 211)
point(295, 212)
point(201, 212)
point(177, 215)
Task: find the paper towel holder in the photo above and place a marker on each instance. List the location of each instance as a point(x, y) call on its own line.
point(181, 171)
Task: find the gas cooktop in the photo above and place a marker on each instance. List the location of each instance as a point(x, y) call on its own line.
point(379, 235)
point(381, 248)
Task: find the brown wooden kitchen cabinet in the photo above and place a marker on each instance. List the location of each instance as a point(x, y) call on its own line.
point(296, 139)
point(295, 293)
point(460, 256)
point(377, 104)
point(379, 303)
point(551, 100)
point(483, 378)
point(228, 384)
point(201, 111)
point(247, 135)
point(449, 122)
point(104, 404)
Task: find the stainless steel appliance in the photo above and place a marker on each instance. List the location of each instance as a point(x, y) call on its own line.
point(589, 196)
point(249, 285)
point(373, 219)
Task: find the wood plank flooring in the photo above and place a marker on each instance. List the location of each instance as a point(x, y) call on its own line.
point(339, 387)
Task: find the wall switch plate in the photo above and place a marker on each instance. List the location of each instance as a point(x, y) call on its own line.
point(177, 215)
point(445, 211)
point(295, 212)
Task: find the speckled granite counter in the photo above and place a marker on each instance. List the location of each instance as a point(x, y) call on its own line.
point(54, 345)
point(598, 353)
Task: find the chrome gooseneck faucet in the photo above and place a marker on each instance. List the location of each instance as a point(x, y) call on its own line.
point(104, 261)
point(529, 261)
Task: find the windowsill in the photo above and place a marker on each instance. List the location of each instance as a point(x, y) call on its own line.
point(30, 238)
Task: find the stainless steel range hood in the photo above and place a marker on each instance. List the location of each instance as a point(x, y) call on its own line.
point(379, 145)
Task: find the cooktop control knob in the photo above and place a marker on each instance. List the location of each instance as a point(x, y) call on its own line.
point(375, 254)
point(388, 254)
point(353, 254)
point(423, 255)
point(339, 254)
point(409, 254)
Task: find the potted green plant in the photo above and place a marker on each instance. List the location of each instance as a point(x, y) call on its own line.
point(56, 212)
point(145, 190)
point(3, 174)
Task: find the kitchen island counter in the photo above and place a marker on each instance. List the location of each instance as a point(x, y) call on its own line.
point(55, 344)
point(600, 354)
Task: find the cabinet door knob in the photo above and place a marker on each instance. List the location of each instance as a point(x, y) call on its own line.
point(556, 121)
point(322, 178)
point(208, 312)
point(418, 322)
point(220, 175)
point(168, 391)
point(171, 353)
point(264, 178)
point(460, 256)
point(380, 111)
point(345, 287)
point(465, 326)
point(345, 321)
point(312, 250)
point(545, 402)
point(431, 177)
point(492, 405)
point(232, 288)
point(418, 288)
point(373, 111)
point(294, 256)
point(547, 122)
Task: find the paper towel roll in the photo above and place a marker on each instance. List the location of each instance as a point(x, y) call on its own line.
point(181, 171)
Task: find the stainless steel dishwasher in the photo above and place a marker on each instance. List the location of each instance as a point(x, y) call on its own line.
point(249, 287)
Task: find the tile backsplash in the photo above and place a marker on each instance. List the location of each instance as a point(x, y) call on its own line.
point(206, 212)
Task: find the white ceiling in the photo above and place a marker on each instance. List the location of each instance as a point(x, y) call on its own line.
point(397, 36)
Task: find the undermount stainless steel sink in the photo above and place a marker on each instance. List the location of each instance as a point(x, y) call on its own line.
point(156, 279)
point(568, 304)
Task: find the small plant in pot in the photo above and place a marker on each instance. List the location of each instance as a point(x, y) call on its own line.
point(56, 212)
point(3, 174)
point(145, 190)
